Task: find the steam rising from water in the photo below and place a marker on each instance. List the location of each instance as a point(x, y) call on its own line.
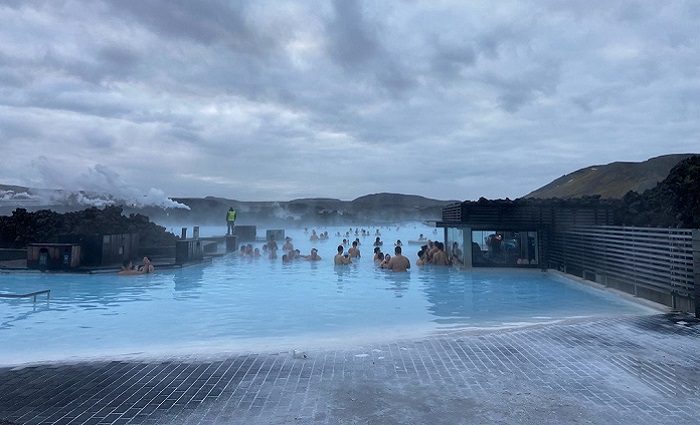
point(97, 187)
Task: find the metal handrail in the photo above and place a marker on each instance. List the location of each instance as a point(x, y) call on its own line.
point(31, 294)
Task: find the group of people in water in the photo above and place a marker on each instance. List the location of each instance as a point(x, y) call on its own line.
point(128, 267)
point(434, 253)
point(270, 249)
point(397, 263)
point(430, 253)
point(349, 250)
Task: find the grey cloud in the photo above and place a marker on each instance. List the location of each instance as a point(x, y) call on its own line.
point(353, 42)
point(14, 129)
point(489, 42)
point(107, 63)
point(202, 22)
point(450, 60)
point(79, 101)
point(266, 100)
point(514, 92)
point(102, 141)
point(12, 78)
point(118, 56)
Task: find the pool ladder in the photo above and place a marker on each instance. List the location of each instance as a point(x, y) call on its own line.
point(31, 294)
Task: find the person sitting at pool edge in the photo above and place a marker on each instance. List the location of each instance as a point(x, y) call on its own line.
point(398, 262)
point(341, 259)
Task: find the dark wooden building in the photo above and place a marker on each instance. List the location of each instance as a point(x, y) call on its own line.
point(511, 233)
point(53, 256)
point(104, 250)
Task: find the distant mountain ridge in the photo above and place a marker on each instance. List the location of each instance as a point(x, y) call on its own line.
point(610, 181)
point(374, 208)
point(377, 207)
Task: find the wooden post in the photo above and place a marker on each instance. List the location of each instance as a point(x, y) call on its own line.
point(696, 271)
point(467, 247)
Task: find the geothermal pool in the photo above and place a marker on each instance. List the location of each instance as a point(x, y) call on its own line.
point(244, 304)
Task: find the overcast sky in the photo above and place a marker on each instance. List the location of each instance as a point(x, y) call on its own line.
point(275, 100)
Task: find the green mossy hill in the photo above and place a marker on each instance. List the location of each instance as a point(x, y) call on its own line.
point(674, 202)
point(22, 227)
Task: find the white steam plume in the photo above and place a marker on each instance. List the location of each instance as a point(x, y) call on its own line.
point(99, 186)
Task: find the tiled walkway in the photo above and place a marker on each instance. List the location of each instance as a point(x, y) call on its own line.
point(634, 370)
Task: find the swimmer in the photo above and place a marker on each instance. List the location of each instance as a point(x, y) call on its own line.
point(127, 268)
point(398, 262)
point(385, 262)
point(439, 257)
point(421, 260)
point(432, 250)
point(378, 242)
point(378, 255)
point(398, 243)
point(271, 244)
point(288, 246)
point(256, 252)
point(314, 255)
point(354, 251)
point(339, 258)
point(314, 236)
point(147, 267)
point(456, 255)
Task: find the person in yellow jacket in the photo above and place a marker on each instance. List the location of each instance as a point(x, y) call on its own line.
point(230, 220)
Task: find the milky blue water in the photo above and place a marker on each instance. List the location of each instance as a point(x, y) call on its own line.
point(237, 303)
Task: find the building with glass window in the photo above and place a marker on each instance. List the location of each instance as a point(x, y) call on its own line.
point(508, 233)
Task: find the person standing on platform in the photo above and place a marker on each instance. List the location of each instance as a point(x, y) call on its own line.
point(230, 220)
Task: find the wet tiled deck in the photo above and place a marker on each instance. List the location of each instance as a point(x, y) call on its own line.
point(628, 370)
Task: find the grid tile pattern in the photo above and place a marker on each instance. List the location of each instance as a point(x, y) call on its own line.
point(622, 371)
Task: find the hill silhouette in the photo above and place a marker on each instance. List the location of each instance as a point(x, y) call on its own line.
point(611, 181)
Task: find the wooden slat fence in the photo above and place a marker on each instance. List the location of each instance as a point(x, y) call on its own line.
point(654, 263)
